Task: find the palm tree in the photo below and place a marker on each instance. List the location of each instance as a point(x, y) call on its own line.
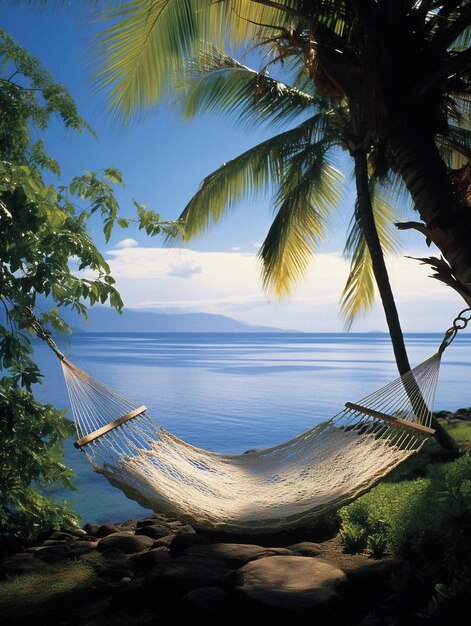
point(296, 163)
point(411, 55)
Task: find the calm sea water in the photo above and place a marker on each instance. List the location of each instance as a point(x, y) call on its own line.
point(232, 392)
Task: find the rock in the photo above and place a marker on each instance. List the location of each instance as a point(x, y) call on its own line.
point(114, 554)
point(305, 548)
point(142, 523)
point(86, 543)
point(130, 524)
point(21, 564)
point(54, 553)
point(107, 529)
point(186, 528)
point(163, 541)
point(62, 536)
point(188, 572)
point(145, 561)
point(181, 543)
point(174, 525)
point(274, 552)
point(115, 573)
point(56, 542)
point(78, 551)
point(290, 583)
point(91, 529)
point(124, 582)
point(234, 554)
point(126, 542)
point(206, 605)
point(77, 532)
point(155, 531)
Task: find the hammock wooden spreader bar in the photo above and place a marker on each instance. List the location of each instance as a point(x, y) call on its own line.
point(111, 426)
point(397, 421)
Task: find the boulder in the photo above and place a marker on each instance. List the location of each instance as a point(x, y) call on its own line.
point(62, 536)
point(207, 605)
point(155, 531)
point(234, 554)
point(181, 543)
point(305, 548)
point(186, 528)
point(294, 584)
point(91, 529)
point(54, 553)
point(163, 541)
point(126, 542)
point(188, 572)
point(21, 564)
point(107, 529)
point(149, 521)
point(145, 561)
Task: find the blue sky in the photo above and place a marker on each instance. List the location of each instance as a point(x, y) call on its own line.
point(163, 159)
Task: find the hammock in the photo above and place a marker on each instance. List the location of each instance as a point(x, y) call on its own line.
point(282, 487)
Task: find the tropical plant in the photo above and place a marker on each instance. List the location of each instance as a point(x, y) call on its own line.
point(412, 56)
point(43, 235)
point(348, 52)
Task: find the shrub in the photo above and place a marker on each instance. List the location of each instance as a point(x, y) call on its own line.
point(376, 544)
point(353, 538)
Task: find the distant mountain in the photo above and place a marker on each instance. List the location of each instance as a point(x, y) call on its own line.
point(105, 320)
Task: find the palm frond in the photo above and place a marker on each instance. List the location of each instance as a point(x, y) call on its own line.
point(310, 190)
point(359, 291)
point(257, 170)
point(217, 82)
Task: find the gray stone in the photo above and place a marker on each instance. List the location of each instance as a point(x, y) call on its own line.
point(115, 572)
point(61, 536)
point(107, 529)
point(91, 529)
point(189, 572)
point(77, 532)
point(114, 554)
point(181, 543)
point(186, 528)
point(126, 542)
point(290, 583)
point(163, 541)
point(207, 605)
point(306, 548)
point(234, 554)
point(150, 521)
point(54, 553)
point(174, 525)
point(155, 531)
point(21, 564)
point(145, 561)
point(130, 524)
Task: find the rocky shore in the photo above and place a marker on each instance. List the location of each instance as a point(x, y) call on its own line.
point(182, 576)
point(200, 579)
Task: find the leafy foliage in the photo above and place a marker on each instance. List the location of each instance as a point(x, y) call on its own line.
point(42, 228)
point(353, 538)
point(429, 516)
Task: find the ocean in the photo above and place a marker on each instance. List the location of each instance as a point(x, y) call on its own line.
point(233, 392)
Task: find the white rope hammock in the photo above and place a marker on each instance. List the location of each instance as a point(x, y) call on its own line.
point(282, 487)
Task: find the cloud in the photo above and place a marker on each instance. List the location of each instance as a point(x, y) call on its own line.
point(229, 283)
point(126, 243)
point(236, 249)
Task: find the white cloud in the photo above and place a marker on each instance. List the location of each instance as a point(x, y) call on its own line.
point(236, 249)
point(229, 283)
point(126, 243)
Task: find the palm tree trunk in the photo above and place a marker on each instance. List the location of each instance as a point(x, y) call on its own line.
point(366, 216)
point(448, 223)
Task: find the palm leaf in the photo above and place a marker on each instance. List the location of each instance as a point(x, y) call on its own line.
point(359, 291)
point(259, 169)
point(310, 190)
point(217, 82)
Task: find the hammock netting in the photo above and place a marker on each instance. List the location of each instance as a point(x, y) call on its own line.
point(285, 486)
